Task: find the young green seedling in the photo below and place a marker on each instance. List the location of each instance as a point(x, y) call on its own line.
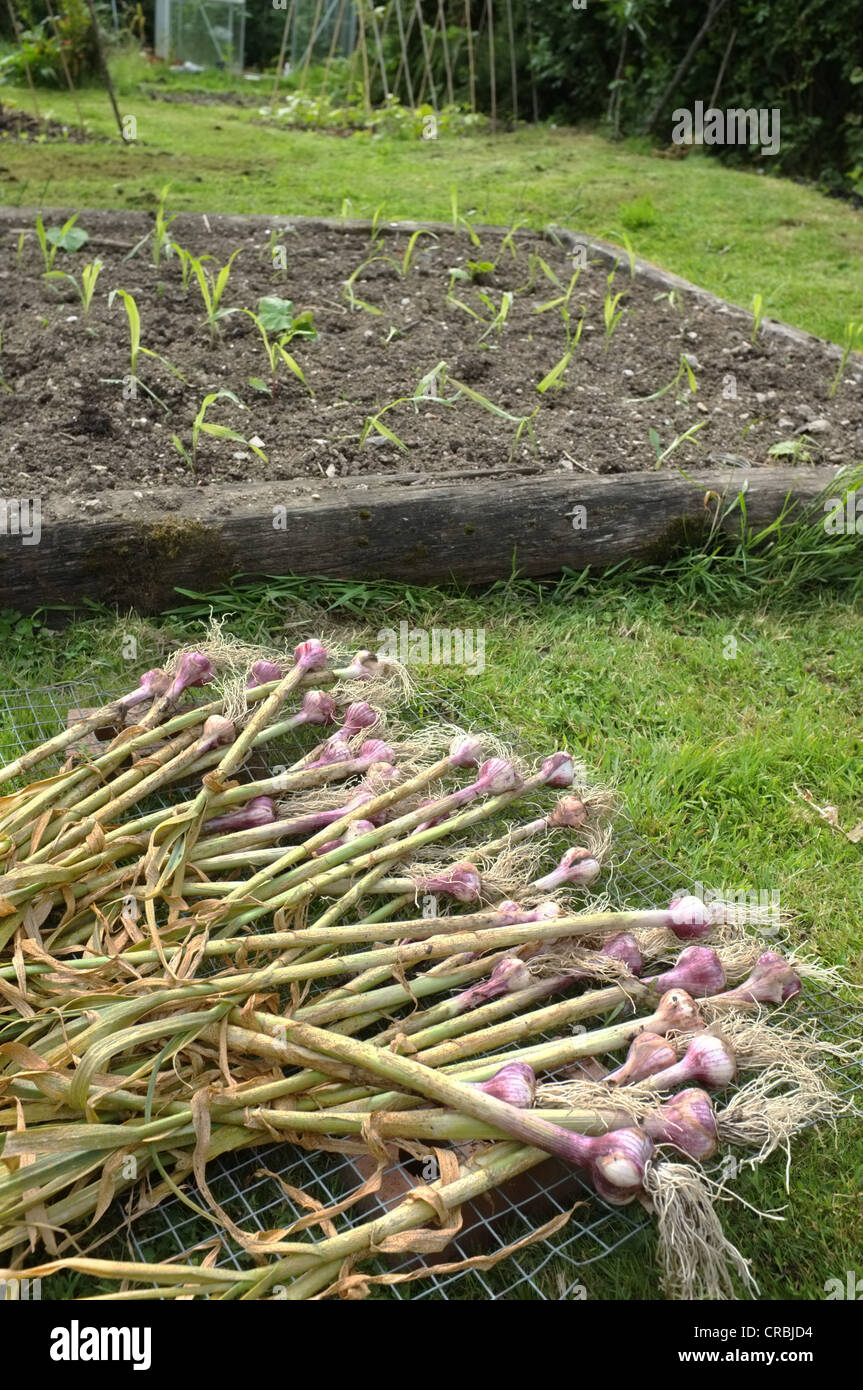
point(353, 299)
point(65, 238)
point(757, 315)
point(84, 291)
point(853, 339)
point(508, 243)
point(161, 243)
point(212, 288)
point(186, 259)
point(276, 353)
point(684, 370)
point(135, 348)
point(428, 389)
point(500, 315)
point(458, 220)
point(522, 422)
point(556, 375)
point(795, 449)
point(663, 454)
point(201, 426)
point(611, 314)
point(562, 301)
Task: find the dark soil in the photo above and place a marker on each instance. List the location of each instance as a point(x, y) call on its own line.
point(66, 428)
point(17, 125)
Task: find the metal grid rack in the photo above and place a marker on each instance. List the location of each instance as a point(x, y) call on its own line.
point(550, 1270)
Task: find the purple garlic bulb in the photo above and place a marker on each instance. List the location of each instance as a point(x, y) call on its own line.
point(687, 1121)
point(461, 882)
point(260, 810)
point(310, 656)
point(689, 918)
point(318, 708)
point(677, 1012)
point(263, 673)
point(515, 1083)
point(358, 716)
point(614, 1163)
point(193, 668)
point(708, 1061)
point(772, 982)
point(508, 977)
point(364, 667)
point(577, 866)
point(497, 776)
point(374, 750)
point(557, 770)
point(648, 1053)
point(465, 752)
point(216, 730)
point(150, 685)
point(570, 812)
point(697, 969)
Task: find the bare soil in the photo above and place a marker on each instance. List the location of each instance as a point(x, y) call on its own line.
point(69, 427)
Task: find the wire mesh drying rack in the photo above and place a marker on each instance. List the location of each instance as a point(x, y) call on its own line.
point(246, 1184)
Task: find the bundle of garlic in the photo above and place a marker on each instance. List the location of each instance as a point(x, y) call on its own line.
point(251, 958)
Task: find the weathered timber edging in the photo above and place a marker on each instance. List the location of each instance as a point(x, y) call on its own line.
point(133, 554)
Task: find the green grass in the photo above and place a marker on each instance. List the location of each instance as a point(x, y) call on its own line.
point(735, 233)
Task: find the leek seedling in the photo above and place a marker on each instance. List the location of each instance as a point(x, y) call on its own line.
point(536, 263)
point(611, 314)
point(276, 353)
point(353, 299)
point(663, 454)
point(673, 297)
point(508, 243)
point(212, 288)
point(201, 426)
point(428, 389)
point(630, 253)
point(407, 258)
point(522, 422)
point(852, 339)
point(757, 315)
point(84, 291)
point(558, 372)
point(684, 369)
point(500, 315)
point(563, 300)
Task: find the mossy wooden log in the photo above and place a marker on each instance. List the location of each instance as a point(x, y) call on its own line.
point(132, 554)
